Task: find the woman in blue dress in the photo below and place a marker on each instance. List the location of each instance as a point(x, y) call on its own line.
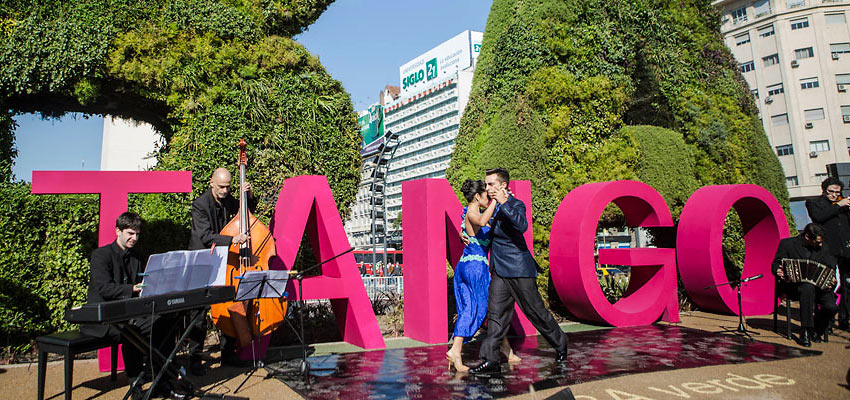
point(472, 274)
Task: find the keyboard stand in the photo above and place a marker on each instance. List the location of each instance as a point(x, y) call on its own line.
point(139, 342)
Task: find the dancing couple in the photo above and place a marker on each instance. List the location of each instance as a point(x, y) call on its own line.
point(511, 277)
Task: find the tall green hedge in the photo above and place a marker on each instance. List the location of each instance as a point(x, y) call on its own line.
point(205, 74)
point(567, 93)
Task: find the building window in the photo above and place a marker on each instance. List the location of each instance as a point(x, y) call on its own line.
point(807, 52)
point(766, 31)
point(839, 48)
point(799, 23)
point(795, 3)
point(809, 83)
point(835, 19)
point(747, 66)
point(814, 114)
point(791, 181)
point(785, 150)
point(845, 114)
point(843, 79)
point(773, 90)
point(779, 120)
point(819, 145)
point(755, 93)
point(742, 39)
point(739, 15)
point(771, 60)
point(820, 176)
point(761, 8)
point(848, 145)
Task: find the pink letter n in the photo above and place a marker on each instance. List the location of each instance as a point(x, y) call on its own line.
point(305, 204)
point(431, 236)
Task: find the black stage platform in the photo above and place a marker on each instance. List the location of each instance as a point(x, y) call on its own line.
point(421, 372)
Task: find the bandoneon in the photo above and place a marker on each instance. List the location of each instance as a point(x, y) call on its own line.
point(798, 270)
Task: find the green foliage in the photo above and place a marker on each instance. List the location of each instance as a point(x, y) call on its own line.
point(205, 74)
point(568, 93)
point(47, 243)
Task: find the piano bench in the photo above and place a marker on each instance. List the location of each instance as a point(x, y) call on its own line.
point(69, 344)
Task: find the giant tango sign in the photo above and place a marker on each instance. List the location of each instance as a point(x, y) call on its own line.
point(431, 217)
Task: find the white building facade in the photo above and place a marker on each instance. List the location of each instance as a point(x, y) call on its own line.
point(434, 90)
point(427, 113)
point(795, 57)
point(128, 145)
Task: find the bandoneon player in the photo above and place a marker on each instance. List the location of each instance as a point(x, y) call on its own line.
point(807, 246)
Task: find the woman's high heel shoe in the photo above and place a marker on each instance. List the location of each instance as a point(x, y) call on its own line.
point(455, 359)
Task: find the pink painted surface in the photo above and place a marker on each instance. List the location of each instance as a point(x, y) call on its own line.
point(113, 188)
point(651, 293)
point(431, 220)
point(306, 204)
point(431, 236)
point(700, 252)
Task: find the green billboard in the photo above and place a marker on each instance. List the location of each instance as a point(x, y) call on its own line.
point(371, 125)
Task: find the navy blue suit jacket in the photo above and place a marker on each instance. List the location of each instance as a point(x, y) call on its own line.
point(509, 253)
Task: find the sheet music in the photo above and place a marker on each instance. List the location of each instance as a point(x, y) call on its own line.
point(252, 282)
point(184, 270)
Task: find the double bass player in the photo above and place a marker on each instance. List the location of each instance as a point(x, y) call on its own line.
point(210, 213)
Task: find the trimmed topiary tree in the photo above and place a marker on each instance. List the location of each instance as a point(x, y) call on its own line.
point(204, 73)
point(558, 85)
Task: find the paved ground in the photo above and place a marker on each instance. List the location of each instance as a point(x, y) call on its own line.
point(810, 378)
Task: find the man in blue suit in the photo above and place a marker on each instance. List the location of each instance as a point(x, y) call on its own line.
point(514, 279)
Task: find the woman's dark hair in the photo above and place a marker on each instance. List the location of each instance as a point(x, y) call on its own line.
point(470, 188)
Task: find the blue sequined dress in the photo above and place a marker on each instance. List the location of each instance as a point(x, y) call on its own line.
point(472, 283)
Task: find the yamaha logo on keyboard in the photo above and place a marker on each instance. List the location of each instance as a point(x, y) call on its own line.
point(174, 302)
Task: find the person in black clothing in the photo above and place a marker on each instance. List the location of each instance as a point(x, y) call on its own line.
point(808, 246)
point(514, 279)
point(210, 213)
point(115, 275)
point(833, 213)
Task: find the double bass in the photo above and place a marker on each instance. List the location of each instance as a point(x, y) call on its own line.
point(244, 320)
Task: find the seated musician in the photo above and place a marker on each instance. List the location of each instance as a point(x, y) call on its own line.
point(210, 213)
point(807, 246)
point(115, 275)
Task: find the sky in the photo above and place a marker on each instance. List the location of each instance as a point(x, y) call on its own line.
point(361, 43)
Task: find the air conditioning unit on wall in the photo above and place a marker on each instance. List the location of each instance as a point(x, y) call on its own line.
point(794, 64)
point(813, 154)
point(835, 56)
point(768, 100)
point(842, 87)
point(809, 125)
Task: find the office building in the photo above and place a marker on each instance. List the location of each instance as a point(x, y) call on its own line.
point(795, 57)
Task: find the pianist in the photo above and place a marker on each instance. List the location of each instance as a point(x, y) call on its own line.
point(114, 275)
point(807, 246)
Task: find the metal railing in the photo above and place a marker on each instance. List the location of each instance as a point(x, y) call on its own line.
point(376, 285)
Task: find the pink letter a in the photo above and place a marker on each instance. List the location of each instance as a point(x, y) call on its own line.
point(306, 204)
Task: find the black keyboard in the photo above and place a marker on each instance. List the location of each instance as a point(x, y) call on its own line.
point(122, 310)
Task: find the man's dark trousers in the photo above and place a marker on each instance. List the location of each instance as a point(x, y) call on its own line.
point(504, 292)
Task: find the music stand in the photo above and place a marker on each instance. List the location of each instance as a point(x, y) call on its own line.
point(742, 329)
point(257, 285)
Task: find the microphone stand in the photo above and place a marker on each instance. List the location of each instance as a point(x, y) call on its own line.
point(742, 329)
point(304, 365)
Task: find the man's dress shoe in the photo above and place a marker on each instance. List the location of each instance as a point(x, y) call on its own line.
point(486, 367)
